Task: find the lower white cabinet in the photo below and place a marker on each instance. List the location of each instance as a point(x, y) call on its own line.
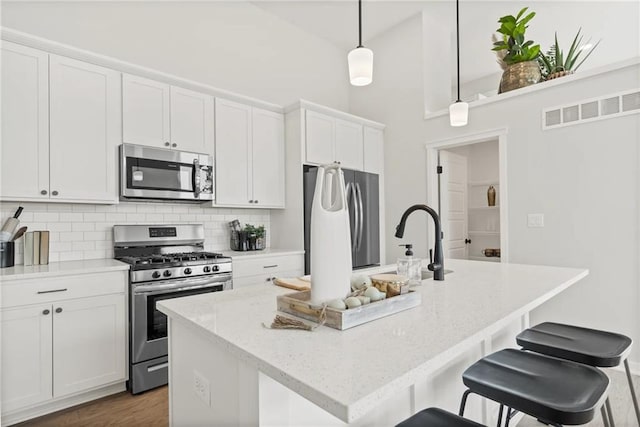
point(61, 338)
point(252, 270)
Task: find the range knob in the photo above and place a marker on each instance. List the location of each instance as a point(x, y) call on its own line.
point(155, 274)
point(166, 273)
point(206, 269)
point(216, 267)
point(187, 270)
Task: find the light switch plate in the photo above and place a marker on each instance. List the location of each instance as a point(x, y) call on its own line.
point(535, 220)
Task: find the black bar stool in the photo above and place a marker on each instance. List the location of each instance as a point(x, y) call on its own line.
point(436, 417)
point(552, 390)
point(588, 346)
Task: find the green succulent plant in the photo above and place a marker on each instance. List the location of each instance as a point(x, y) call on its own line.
point(513, 42)
point(555, 60)
point(258, 231)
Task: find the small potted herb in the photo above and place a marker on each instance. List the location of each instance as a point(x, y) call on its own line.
point(256, 236)
point(555, 63)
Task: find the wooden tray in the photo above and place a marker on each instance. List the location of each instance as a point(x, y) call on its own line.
point(297, 304)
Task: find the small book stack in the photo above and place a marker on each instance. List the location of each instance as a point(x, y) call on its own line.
point(36, 248)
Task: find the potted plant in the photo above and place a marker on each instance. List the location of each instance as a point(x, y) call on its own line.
point(556, 64)
point(518, 55)
point(256, 237)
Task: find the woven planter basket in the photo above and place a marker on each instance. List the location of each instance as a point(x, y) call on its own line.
point(559, 74)
point(520, 75)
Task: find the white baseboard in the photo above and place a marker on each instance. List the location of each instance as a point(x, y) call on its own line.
point(14, 417)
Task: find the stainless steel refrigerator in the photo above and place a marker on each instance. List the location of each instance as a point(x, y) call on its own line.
point(364, 216)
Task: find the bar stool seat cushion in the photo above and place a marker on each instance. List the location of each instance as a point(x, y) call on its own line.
point(547, 388)
point(436, 417)
point(589, 346)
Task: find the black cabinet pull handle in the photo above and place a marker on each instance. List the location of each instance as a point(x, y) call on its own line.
point(270, 266)
point(52, 291)
point(467, 241)
point(59, 310)
point(45, 312)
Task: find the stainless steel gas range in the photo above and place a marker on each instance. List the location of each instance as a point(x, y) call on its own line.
point(167, 261)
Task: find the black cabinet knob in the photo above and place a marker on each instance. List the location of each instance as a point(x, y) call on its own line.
point(59, 310)
point(166, 144)
point(43, 192)
point(45, 312)
point(174, 145)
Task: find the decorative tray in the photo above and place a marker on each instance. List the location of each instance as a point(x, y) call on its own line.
point(297, 304)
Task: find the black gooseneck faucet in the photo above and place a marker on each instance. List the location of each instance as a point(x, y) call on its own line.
point(437, 255)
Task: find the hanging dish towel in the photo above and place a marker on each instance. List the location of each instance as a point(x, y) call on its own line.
point(331, 262)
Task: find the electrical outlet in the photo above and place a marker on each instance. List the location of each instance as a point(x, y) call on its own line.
point(201, 387)
point(535, 220)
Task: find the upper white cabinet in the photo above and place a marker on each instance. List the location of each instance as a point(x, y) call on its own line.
point(249, 156)
point(162, 115)
point(373, 150)
point(60, 128)
point(24, 173)
point(84, 130)
point(145, 111)
point(329, 139)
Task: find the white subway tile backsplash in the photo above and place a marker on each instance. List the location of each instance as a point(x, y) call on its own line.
point(82, 231)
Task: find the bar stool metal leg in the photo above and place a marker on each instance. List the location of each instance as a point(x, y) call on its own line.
point(612, 422)
point(463, 403)
point(605, 418)
point(633, 391)
point(500, 416)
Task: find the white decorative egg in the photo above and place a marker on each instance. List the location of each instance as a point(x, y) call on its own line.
point(373, 294)
point(338, 304)
point(352, 302)
point(363, 299)
point(360, 281)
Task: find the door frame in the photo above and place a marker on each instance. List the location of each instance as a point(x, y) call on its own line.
point(432, 149)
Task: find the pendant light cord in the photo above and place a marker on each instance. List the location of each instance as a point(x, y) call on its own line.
point(458, 45)
point(359, 23)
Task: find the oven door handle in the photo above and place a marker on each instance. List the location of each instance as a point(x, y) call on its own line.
point(182, 286)
point(196, 178)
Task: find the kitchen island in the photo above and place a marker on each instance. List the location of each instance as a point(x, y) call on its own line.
point(226, 368)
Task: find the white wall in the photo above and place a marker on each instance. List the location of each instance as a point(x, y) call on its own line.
point(230, 45)
point(584, 178)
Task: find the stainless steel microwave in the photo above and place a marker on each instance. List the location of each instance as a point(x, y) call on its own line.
point(162, 174)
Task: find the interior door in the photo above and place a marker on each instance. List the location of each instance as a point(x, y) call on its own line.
point(145, 111)
point(85, 130)
point(268, 158)
point(453, 204)
point(233, 154)
point(191, 121)
point(24, 172)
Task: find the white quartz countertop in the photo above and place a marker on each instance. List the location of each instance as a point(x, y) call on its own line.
point(269, 252)
point(348, 373)
point(64, 268)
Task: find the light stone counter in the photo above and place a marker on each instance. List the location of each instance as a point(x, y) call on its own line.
point(269, 252)
point(351, 373)
point(63, 268)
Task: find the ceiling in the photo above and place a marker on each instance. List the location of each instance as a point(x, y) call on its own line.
point(615, 22)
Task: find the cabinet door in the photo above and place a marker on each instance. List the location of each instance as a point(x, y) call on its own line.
point(25, 123)
point(268, 158)
point(89, 346)
point(349, 144)
point(191, 121)
point(319, 139)
point(26, 356)
point(233, 155)
point(145, 111)
point(84, 130)
point(373, 150)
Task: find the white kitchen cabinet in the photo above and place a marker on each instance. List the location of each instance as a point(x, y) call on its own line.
point(61, 337)
point(85, 123)
point(329, 139)
point(26, 356)
point(89, 343)
point(249, 156)
point(145, 111)
point(349, 144)
point(191, 121)
point(252, 270)
point(24, 171)
point(161, 115)
point(319, 138)
point(373, 150)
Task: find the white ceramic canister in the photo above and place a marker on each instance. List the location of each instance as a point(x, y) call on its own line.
point(331, 262)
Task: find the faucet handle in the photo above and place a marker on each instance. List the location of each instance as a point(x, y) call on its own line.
point(430, 256)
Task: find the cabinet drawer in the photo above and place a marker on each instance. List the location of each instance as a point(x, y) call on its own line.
point(266, 278)
point(36, 291)
point(267, 265)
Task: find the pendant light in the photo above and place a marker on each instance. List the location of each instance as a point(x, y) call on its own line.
point(458, 111)
point(360, 59)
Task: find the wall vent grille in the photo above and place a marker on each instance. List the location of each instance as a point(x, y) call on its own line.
point(589, 110)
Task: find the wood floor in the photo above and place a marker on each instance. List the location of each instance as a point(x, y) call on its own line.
point(122, 409)
point(152, 409)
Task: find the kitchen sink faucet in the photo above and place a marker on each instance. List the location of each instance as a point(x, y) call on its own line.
point(436, 260)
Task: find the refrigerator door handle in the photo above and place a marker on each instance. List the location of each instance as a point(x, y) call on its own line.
point(358, 193)
point(353, 228)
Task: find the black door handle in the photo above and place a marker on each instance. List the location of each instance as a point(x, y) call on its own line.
point(467, 241)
